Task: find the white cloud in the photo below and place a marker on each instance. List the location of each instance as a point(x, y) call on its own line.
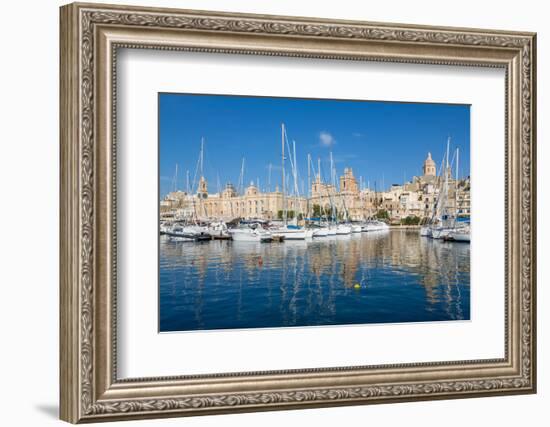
point(326, 139)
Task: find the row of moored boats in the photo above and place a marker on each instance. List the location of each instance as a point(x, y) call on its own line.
point(445, 222)
point(456, 232)
point(263, 231)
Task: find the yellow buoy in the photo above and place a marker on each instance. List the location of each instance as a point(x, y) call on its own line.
point(357, 286)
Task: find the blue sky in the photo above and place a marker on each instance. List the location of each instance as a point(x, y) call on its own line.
point(385, 142)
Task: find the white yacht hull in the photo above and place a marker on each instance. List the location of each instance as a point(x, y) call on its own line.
point(440, 233)
point(374, 226)
point(459, 235)
point(320, 232)
point(181, 239)
point(425, 231)
point(246, 235)
point(292, 234)
point(219, 230)
point(331, 231)
point(343, 229)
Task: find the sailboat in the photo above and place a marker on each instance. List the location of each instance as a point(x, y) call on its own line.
point(314, 223)
point(341, 228)
point(459, 234)
point(426, 230)
point(329, 227)
point(289, 231)
point(446, 216)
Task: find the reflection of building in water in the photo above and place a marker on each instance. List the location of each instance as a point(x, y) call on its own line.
point(414, 198)
point(338, 257)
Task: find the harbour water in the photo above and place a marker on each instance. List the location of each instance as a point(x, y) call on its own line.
point(376, 277)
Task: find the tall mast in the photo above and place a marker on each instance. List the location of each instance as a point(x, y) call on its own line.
point(333, 183)
point(448, 143)
point(187, 188)
point(456, 183)
point(175, 183)
point(283, 169)
point(269, 179)
point(296, 188)
point(457, 164)
point(240, 189)
point(295, 167)
point(202, 157)
point(308, 192)
point(361, 196)
point(319, 187)
point(375, 198)
point(332, 170)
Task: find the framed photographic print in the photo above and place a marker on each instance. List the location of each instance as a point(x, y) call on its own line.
point(265, 212)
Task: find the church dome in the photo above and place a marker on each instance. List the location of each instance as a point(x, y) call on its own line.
point(429, 160)
point(251, 190)
point(429, 166)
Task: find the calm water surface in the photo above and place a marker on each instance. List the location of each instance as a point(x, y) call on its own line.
point(378, 277)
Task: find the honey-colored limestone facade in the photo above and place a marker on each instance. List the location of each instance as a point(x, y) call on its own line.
point(347, 200)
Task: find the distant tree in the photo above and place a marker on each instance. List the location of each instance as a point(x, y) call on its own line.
point(316, 210)
point(410, 220)
point(289, 214)
point(382, 214)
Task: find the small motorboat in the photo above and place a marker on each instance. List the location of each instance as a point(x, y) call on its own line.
point(246, 233)
point(459, 235)
point(219, 230)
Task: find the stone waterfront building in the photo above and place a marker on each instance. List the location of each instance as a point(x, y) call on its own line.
point(228, 204)
point(414, 198)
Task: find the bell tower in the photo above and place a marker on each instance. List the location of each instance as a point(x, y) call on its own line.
point(429, 166)
point(202, 191)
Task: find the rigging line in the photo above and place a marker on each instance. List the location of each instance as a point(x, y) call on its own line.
point(196, 172)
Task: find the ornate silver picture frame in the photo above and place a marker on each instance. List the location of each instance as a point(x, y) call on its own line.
point(91, 35)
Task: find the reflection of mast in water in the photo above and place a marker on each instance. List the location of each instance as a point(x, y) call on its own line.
point(318, 263)
point(460, 314)
point(282, 288)
point(349, 264)
point(295, 288)
point(296, 274)
point(240, 297)
point(331, 306)
point(430, 279)
point(201, 269)
point(446, 285)
point(453, 303)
